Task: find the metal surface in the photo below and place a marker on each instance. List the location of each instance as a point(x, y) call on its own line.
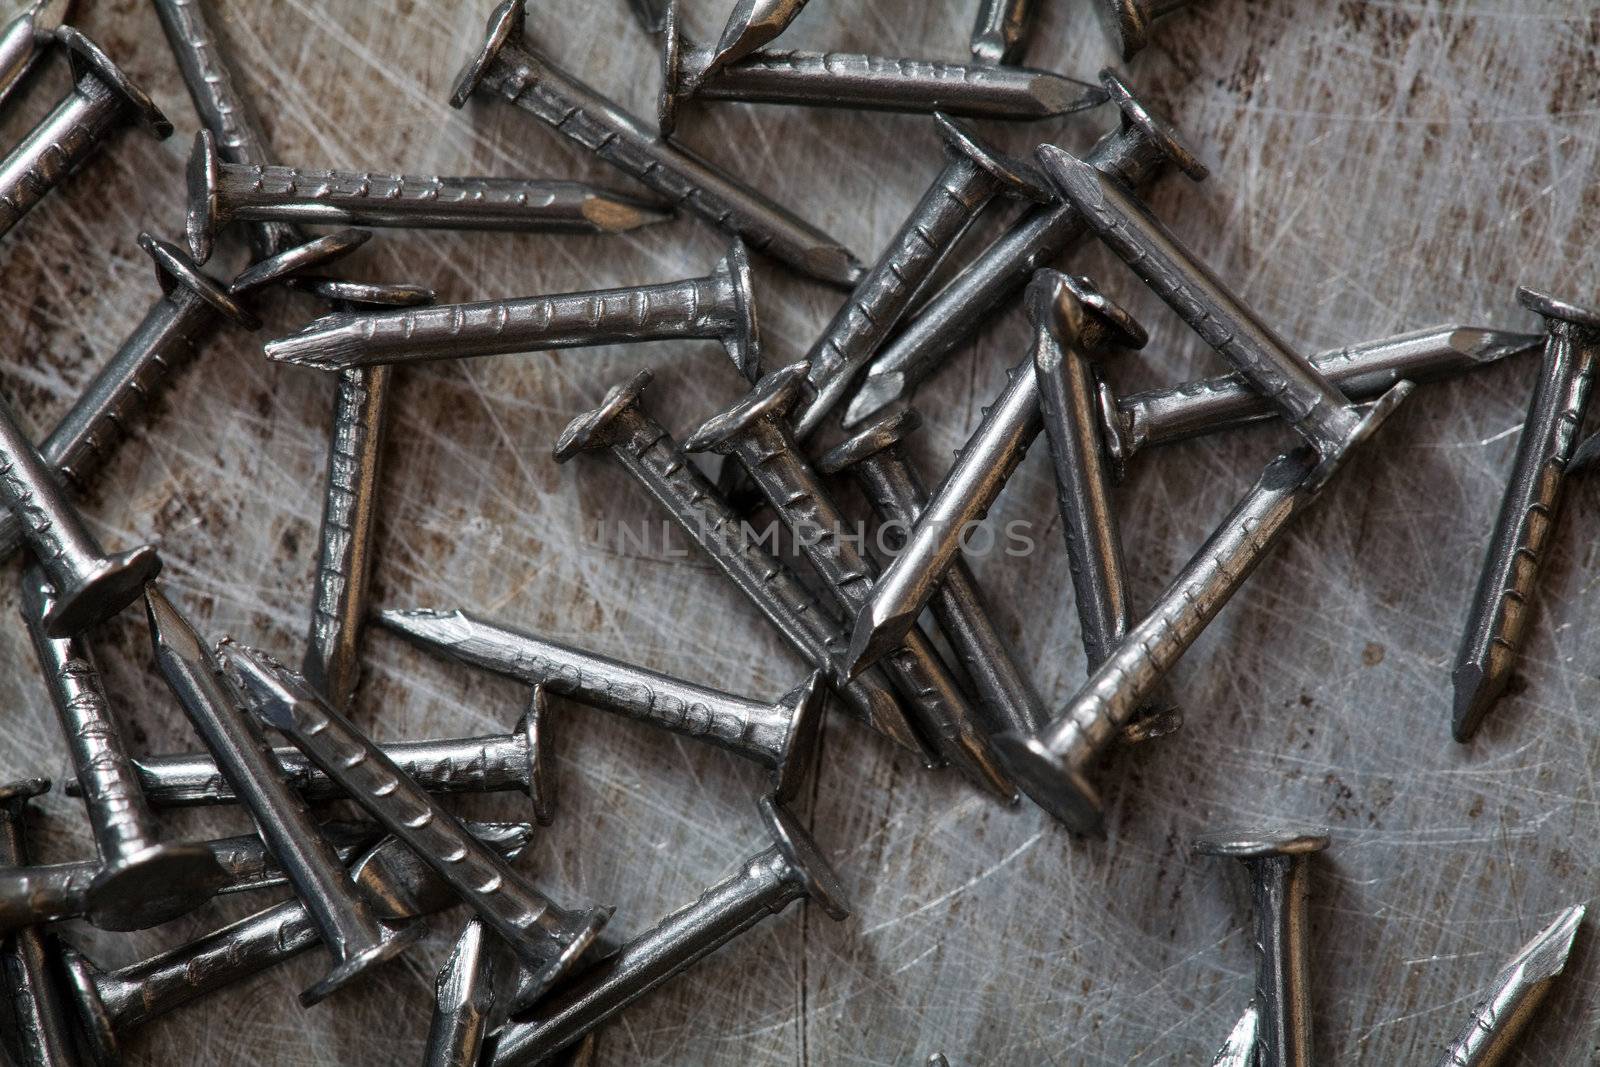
point(42, 1028)
point(751, 24)
point(1127, 22)
point(1240, 1048)
point(463, 997)
point(26, 39)
point(1000, 30)
point(1385, 168)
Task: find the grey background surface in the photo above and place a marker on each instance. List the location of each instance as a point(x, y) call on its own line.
point(1377, 167)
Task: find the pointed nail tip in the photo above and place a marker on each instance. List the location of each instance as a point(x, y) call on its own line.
point(1490, 346)
point(869, 642)
point(1584, 456)
point(876, 393)
point(1475, 693)
point(1546, 955)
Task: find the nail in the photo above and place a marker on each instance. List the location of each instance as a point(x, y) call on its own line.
point(981, 470)
point(508, 67)
point(109, 1003)
point(102, 100)
point(348, 926)
point(651, 14)
point(1313, 405)
point(1362, 372)
point(858, 82)
point(751, 24)
point(1128, 21)
point(1518, 989)
point(463, 997)
point(938, 1059)
point(490, 764)
point(332, 661)
point(897, 494)
point(718, 307)
point(1280, 877)
point(1051, 766)
point(43, 1029)
point(644, 449)
point(1502, 604)
point(790, 869)
point(756, 432)
point(142, 881)
point(224, 109)
point(1000, 32)
point(1240, 1048)
point(221, 193)
point(545, 937)
point(973, 176)
point(25, 39)
point(1137, 152)
point(192, 304)
point(781, 737)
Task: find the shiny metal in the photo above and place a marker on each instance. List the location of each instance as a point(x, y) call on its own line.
point(507, 67)
point(982, 468)
point(1502, 605)
point(897, 494)
point(41, 1024)
point(1240, 1048)
point(208, 74)
point(652, 14)
point(1128, 21)
point(1052, 766)
point(857, 82)
point(790, 869)
point(781, 736)
point(142, 881)
point(1312, 404)
point(110, 1003)
point(1279, 862)
point(756, 432)
point(103, 99)
point(973, 175)
point(719, 306)
point(221, 193)
point(463, 998)
point(1136, 152)
point(489, 764)
point(1362, 372)
point(1000, 31)
point(644, 448)
point(546, 938)
point(751, 24)
point(345, 918)
point(25, 40)
point(332, 661)
point(191, 305)
point(1518, 989)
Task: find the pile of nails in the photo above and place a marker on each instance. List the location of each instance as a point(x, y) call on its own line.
point(527, 979)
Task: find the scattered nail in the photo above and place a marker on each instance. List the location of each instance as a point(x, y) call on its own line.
point(41, 1026)
point(1000, 32)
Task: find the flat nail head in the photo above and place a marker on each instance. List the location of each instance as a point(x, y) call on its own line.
point(102, 592)
point(674, 90)
point(1058, 788)
point(773, 397)
point(506, 22)
point(885, 432)
point(1157, 131)
point(153, 886)
point(743, 341)
point(1262, 842)
point(591, 430)
point(1016, 177)
point(808, 865)
point(96, 1024)
point(797, 754)
point(174, 269)
point(203, 177)
point(1128, 24)
point(23, 789)
point(85, 57)
point(1549, 307)
point(1376, 416)
point(302, 257)
point(540, 785)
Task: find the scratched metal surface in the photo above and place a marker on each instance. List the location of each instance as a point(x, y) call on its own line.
point(1377, 167)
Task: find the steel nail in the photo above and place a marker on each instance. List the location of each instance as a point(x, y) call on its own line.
point(781, 736)
point(1280, 878)
point(1000, 31)
point(751, 24)
point(221, 193)
point(1313, 405)
point(790, 869)
point(102, 100)
point(756, 432)
point(896, 492)
point(508, 67)
point(858, 82)
point(142, 881)
point(110, 1003)
point(1240, 1048)
point(1137, 152)
point(1052, 765)
point(43, 1029)
point(355, 939)
point(1361, 371)
point(1515, 995)
point(1128, 21)
point(463, 998)
point(190, 306)
point(719, 307)
point(546, 938)
point(973, 176)
point(25, 39)
point(651, 14)
point(981, 470)
point(1502, 604)
point(332, 661)
point(648, 453)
